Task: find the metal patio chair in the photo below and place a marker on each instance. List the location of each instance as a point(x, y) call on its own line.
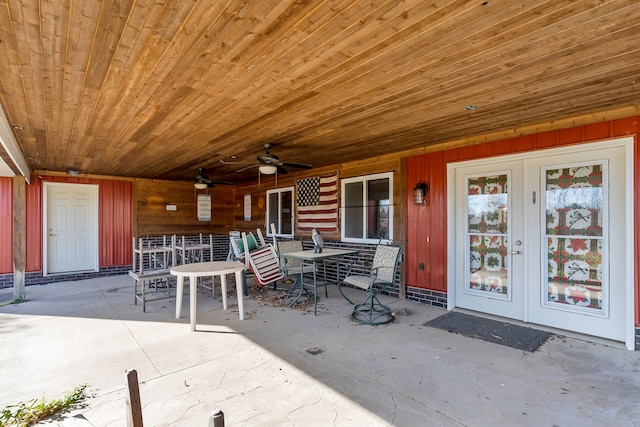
point(291, 267)
point(382, 274)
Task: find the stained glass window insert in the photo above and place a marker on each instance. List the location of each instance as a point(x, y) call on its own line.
point(574, 235)
point(487, 229)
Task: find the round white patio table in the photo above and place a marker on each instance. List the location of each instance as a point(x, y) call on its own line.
point(206, 269)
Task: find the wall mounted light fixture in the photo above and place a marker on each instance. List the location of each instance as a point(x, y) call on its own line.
point(419, 193)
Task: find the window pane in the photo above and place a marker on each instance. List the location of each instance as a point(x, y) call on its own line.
point(487, 202)
point(285, 215)
point(378, 208)
point(367, 204)
point(353, 210)
point(272, 210)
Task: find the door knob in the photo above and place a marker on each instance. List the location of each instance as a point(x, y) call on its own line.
point(515, 252)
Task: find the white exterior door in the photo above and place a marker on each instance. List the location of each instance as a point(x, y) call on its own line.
point(70, 228)
point(547, 238)
point(489, 244)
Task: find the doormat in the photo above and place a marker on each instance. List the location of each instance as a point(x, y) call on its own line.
point(519, 337)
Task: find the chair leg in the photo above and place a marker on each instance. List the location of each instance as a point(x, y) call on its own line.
point(245, 288)
point(144, 299)
point(372, 311)
point(342, 293)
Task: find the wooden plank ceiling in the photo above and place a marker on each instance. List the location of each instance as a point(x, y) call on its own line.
point(142, 88)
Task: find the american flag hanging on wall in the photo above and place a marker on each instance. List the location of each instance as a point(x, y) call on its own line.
point(317, 204)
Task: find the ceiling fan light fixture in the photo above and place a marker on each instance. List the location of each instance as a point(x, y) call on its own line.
point(200, 185)
point(268, 169)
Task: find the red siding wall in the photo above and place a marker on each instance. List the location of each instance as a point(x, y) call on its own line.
point(34, 225)
point(115, 209)
point(6, 225)
point(430, 221)
point(427, 225)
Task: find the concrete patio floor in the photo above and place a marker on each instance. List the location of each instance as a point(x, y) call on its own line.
point(283, 366)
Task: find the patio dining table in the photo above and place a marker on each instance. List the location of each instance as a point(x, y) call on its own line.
point(310, 255)
point(206, 269)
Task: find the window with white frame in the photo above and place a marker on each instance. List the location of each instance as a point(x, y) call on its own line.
point(367, 203)
point(280, 211)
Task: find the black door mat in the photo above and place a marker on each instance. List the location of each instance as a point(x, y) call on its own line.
point(519, 337)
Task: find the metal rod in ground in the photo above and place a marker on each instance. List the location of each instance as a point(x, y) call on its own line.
point(216, 419)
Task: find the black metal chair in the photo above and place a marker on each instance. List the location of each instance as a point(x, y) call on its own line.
point(383, 272)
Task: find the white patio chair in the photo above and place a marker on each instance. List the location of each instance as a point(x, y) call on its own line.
point(261, 241)
point(237, 247)
point(263, 262)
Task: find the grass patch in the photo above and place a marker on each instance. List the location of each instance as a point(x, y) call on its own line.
point(15, 301)
point(26, 414)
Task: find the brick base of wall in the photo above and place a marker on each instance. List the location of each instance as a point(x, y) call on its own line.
point(426, 296)
point(36, 278)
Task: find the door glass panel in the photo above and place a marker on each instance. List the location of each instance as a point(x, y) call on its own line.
point(574, 234)
point(487, 234)
point(354, 221)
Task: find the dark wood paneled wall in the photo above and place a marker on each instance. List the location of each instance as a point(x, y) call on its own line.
point(430, 221)
point(347, 170)
point(152, 218)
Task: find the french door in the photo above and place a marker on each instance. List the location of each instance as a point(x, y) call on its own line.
point(546, 238)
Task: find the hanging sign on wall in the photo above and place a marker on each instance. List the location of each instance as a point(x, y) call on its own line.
point(204, 207)
point(247, 207)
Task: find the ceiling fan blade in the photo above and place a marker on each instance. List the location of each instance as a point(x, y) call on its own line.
point(282, 170)
point(247, 168)
point(221, 183)
point(297, 165)
point(268, 160)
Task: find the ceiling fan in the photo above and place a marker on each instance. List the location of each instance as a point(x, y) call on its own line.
point(269, 164)
point(202, 181)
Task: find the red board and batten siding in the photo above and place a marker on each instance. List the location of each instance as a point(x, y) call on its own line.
point(115, 211)
point(430, 221)
point(6, 225)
